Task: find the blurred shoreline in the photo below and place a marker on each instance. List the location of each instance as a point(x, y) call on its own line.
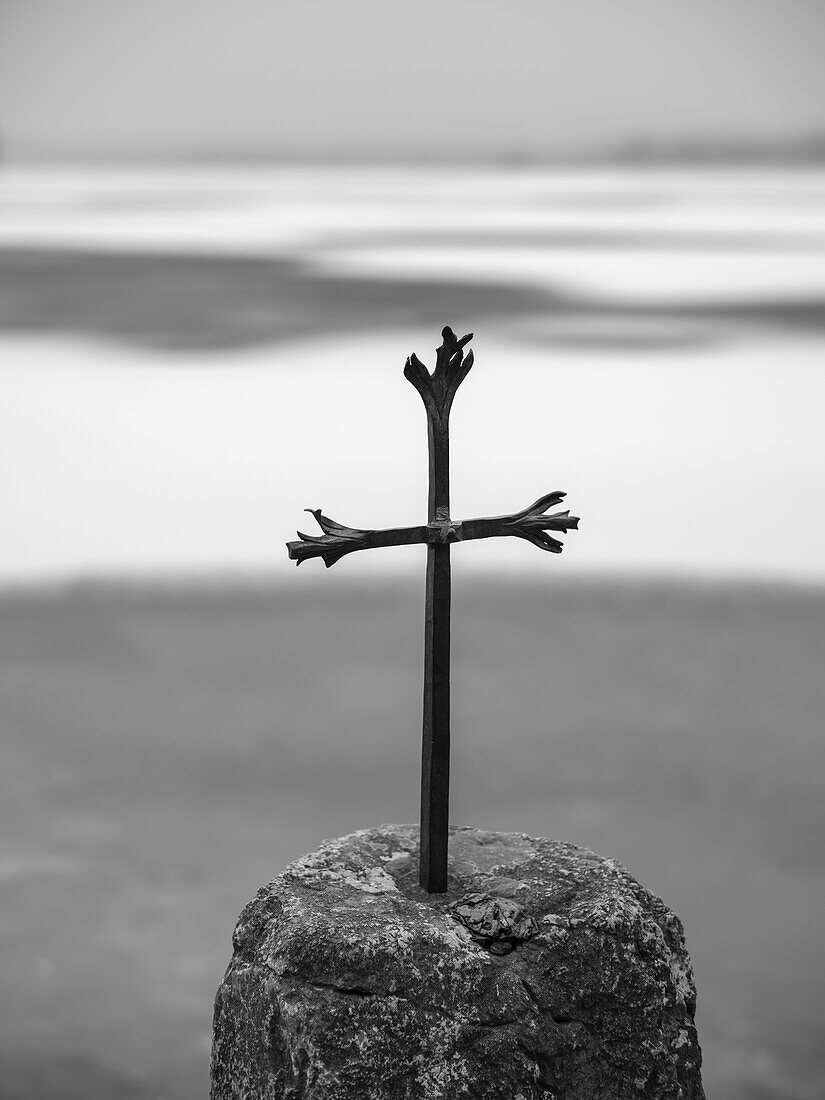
point(800, 149)
point(247, 586)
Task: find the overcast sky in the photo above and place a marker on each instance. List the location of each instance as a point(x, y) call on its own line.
point(379, 76)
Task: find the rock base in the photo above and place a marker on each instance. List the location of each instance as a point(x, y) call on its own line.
point(545, 972)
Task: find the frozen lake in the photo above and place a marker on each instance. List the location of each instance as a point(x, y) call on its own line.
point(189, 359)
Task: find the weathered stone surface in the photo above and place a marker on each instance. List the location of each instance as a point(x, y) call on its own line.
point(349, 981)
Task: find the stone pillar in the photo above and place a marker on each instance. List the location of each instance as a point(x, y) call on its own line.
point(546, 972)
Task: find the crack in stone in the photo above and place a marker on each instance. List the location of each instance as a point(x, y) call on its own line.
point(531, 993)
point(347, 990)
point(353, 990)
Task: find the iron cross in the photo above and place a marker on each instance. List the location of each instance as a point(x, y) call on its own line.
point(437, 391)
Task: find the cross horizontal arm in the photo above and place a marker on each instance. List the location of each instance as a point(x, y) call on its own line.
point(531, 523)
point(338, 540)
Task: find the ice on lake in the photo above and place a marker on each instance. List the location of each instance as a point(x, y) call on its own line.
point(191, 358)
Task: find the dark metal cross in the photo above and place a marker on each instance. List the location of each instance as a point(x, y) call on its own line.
point(437, 392)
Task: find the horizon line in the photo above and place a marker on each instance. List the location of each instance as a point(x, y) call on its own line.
point(803, 150)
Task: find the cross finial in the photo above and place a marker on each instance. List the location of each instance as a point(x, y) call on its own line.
point(451, 368)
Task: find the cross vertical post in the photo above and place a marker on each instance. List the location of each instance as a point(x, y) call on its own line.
point(437, 391)
point(435, 741)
